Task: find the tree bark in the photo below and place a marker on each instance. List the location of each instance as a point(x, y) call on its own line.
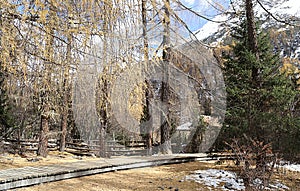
point(46, 84)
point(253, 47)
point(165, 116)
point(104, 121)
point(148, 137)
point(66, 97)
point(44, 130)
point(102, 145)
point(252, 36)
point(145, 36)
point(64, 123)
point(149, 127)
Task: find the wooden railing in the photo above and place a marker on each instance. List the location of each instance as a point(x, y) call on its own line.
point(77, 147)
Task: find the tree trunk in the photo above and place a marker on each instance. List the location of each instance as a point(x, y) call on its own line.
point(66, 97)
point(145, 36)
point(64, 119)
point(103, 121)
point(104, 115)
point(102, 145)
point(252, 36)
point(46, 84)
point(44, 130)
point(253, 46)
point(148, 137)
point(165, 147)
point(149, 123)
point(165, 117)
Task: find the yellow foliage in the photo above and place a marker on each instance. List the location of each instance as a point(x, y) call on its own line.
point(43, 15)
point(220, 50)
point(288, 67)
point(136, 101)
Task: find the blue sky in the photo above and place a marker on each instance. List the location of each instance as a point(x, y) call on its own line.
point(203, 7)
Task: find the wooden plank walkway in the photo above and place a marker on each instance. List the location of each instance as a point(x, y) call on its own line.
point(27, 176)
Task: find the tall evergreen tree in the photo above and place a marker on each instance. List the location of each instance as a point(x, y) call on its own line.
point(259, 106)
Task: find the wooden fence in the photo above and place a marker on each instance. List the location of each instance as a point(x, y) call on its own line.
point(77, 147)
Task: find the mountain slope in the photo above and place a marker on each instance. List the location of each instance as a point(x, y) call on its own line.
point(286, 37)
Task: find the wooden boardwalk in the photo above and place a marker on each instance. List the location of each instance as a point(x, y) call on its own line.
point(27, 176)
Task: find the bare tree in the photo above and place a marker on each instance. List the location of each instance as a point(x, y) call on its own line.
point(147, 111)
point(66, 88)
point(47, 41)
point(166, 125)
point(46, 81)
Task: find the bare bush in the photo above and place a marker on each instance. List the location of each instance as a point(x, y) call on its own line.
point(256, 161)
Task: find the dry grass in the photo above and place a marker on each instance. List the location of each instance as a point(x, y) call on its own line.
point(168, 177)
point(15, 161)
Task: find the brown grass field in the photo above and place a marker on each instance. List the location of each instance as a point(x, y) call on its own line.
point(167, 177)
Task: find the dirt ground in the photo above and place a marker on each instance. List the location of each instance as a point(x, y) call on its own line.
point(167, 177)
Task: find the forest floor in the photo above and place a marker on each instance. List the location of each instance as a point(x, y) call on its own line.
point(168, 177)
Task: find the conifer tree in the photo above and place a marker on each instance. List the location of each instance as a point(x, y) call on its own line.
point(259, 107)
